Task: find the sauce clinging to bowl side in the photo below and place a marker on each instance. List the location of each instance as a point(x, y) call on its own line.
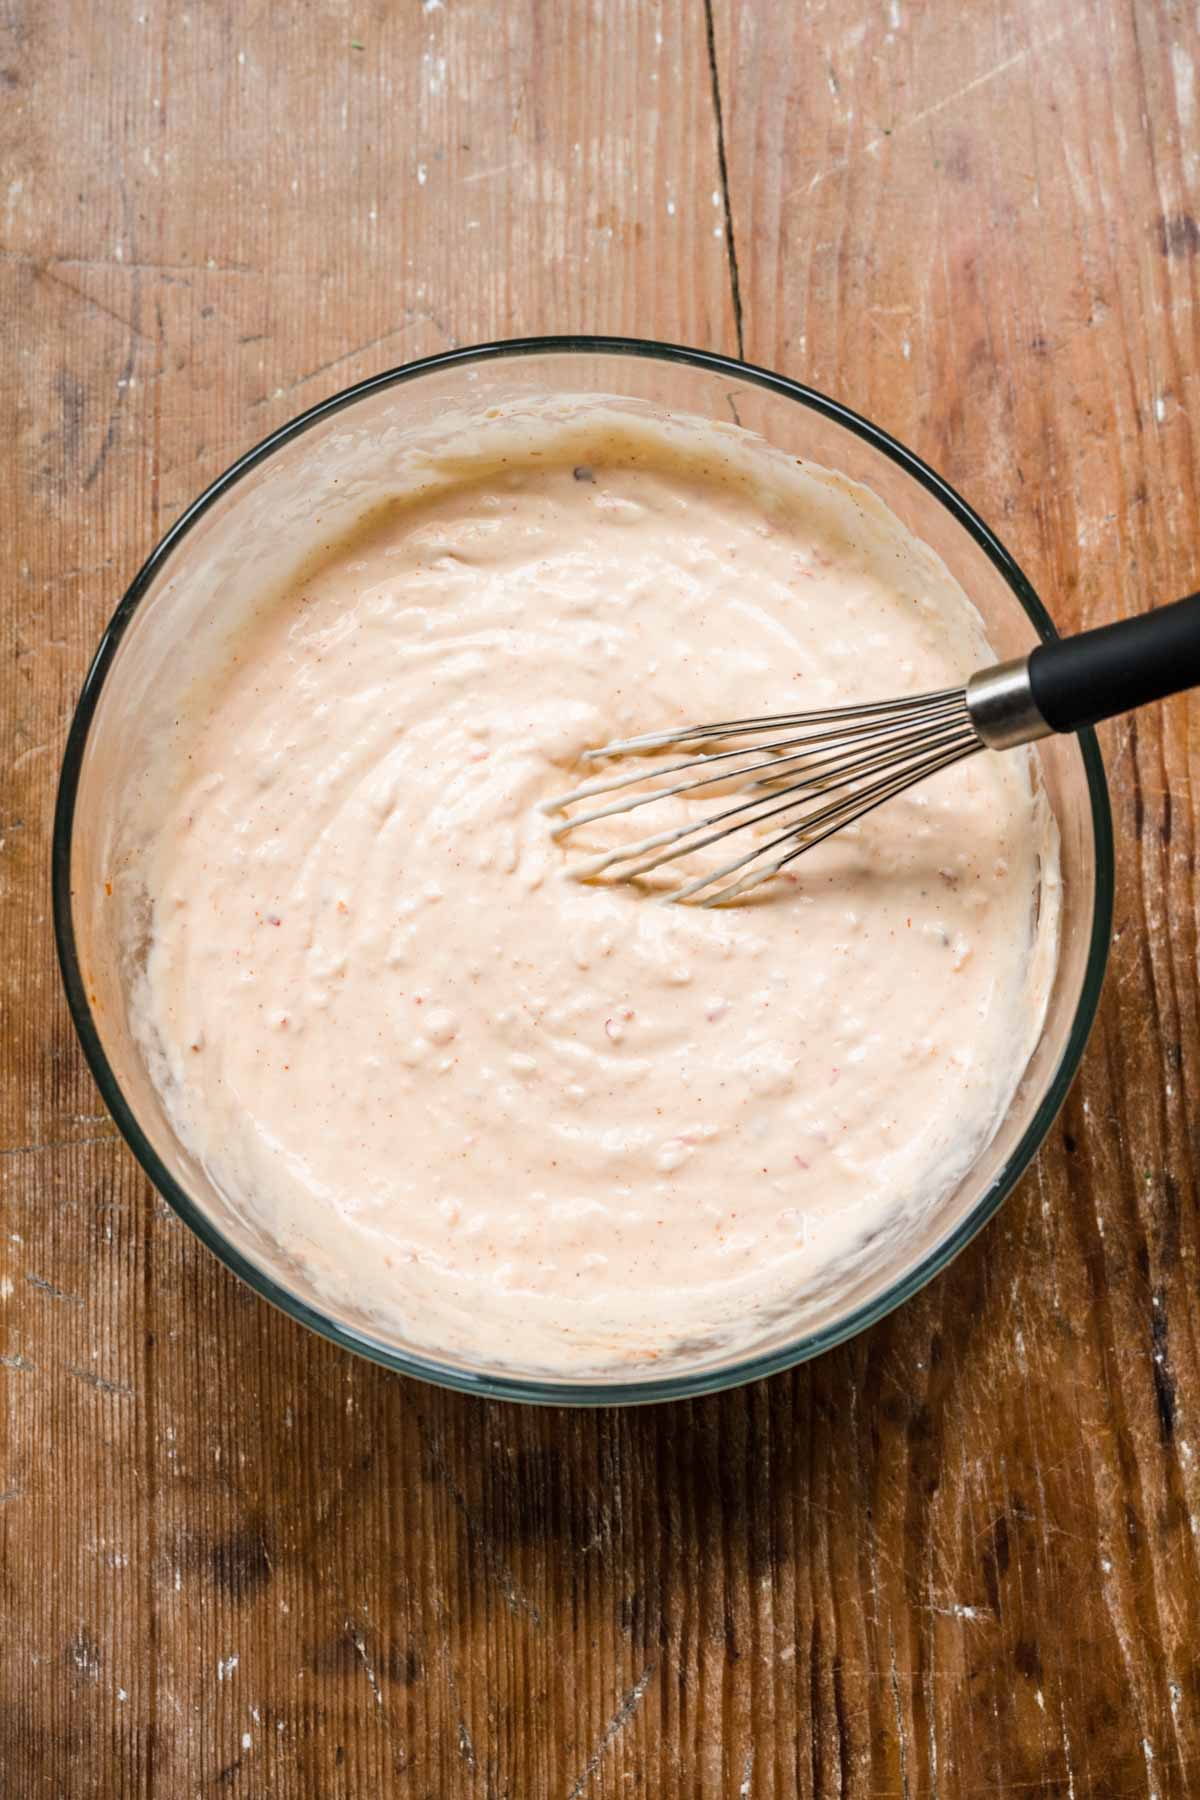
point(551, 1123)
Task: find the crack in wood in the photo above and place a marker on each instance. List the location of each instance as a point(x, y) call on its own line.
point(735, 286)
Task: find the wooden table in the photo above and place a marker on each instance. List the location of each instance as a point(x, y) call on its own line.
point(960, 1556)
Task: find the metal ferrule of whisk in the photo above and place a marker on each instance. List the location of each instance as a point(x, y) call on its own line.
point(783, 783)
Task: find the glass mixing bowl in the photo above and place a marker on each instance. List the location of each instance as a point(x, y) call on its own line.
point(325, 463)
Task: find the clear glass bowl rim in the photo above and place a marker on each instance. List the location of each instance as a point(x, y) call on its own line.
point(497, 1386)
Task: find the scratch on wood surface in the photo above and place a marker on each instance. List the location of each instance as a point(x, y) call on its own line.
point(77, 574)
point(28, 755)
point(21, 1363)
point(124, 378)
point(876, 143)
point(894, 1677)
point(101, 1383)
point(463, 1738)
point(613, 1730)
point(497, 1567)
point(970, 1614)
point(123, 264)
point(359, 1642)
point(50, 271)
point(931, 1708)
point(53, 1293)
point(97, 1137)
point(1066, 1745)
point(1148, 1754)
point(345, 356)
point(978, 81)
point(488, 174)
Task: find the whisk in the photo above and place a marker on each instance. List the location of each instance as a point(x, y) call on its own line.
point(808, 775)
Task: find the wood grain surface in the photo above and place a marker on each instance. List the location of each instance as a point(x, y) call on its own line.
point(960, 1556)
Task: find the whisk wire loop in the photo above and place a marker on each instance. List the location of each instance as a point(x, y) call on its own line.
point(808, 775)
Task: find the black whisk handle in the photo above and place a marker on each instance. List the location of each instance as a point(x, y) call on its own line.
point(1084, 679)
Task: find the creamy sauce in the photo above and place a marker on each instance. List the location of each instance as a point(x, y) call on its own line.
point(554, 1125)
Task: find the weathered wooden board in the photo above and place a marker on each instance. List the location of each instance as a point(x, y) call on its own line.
point(958, 1556)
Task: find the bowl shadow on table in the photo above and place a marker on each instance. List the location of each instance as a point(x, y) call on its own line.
point(413, 1531)
point(881, 1545)
point(563, 1479)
